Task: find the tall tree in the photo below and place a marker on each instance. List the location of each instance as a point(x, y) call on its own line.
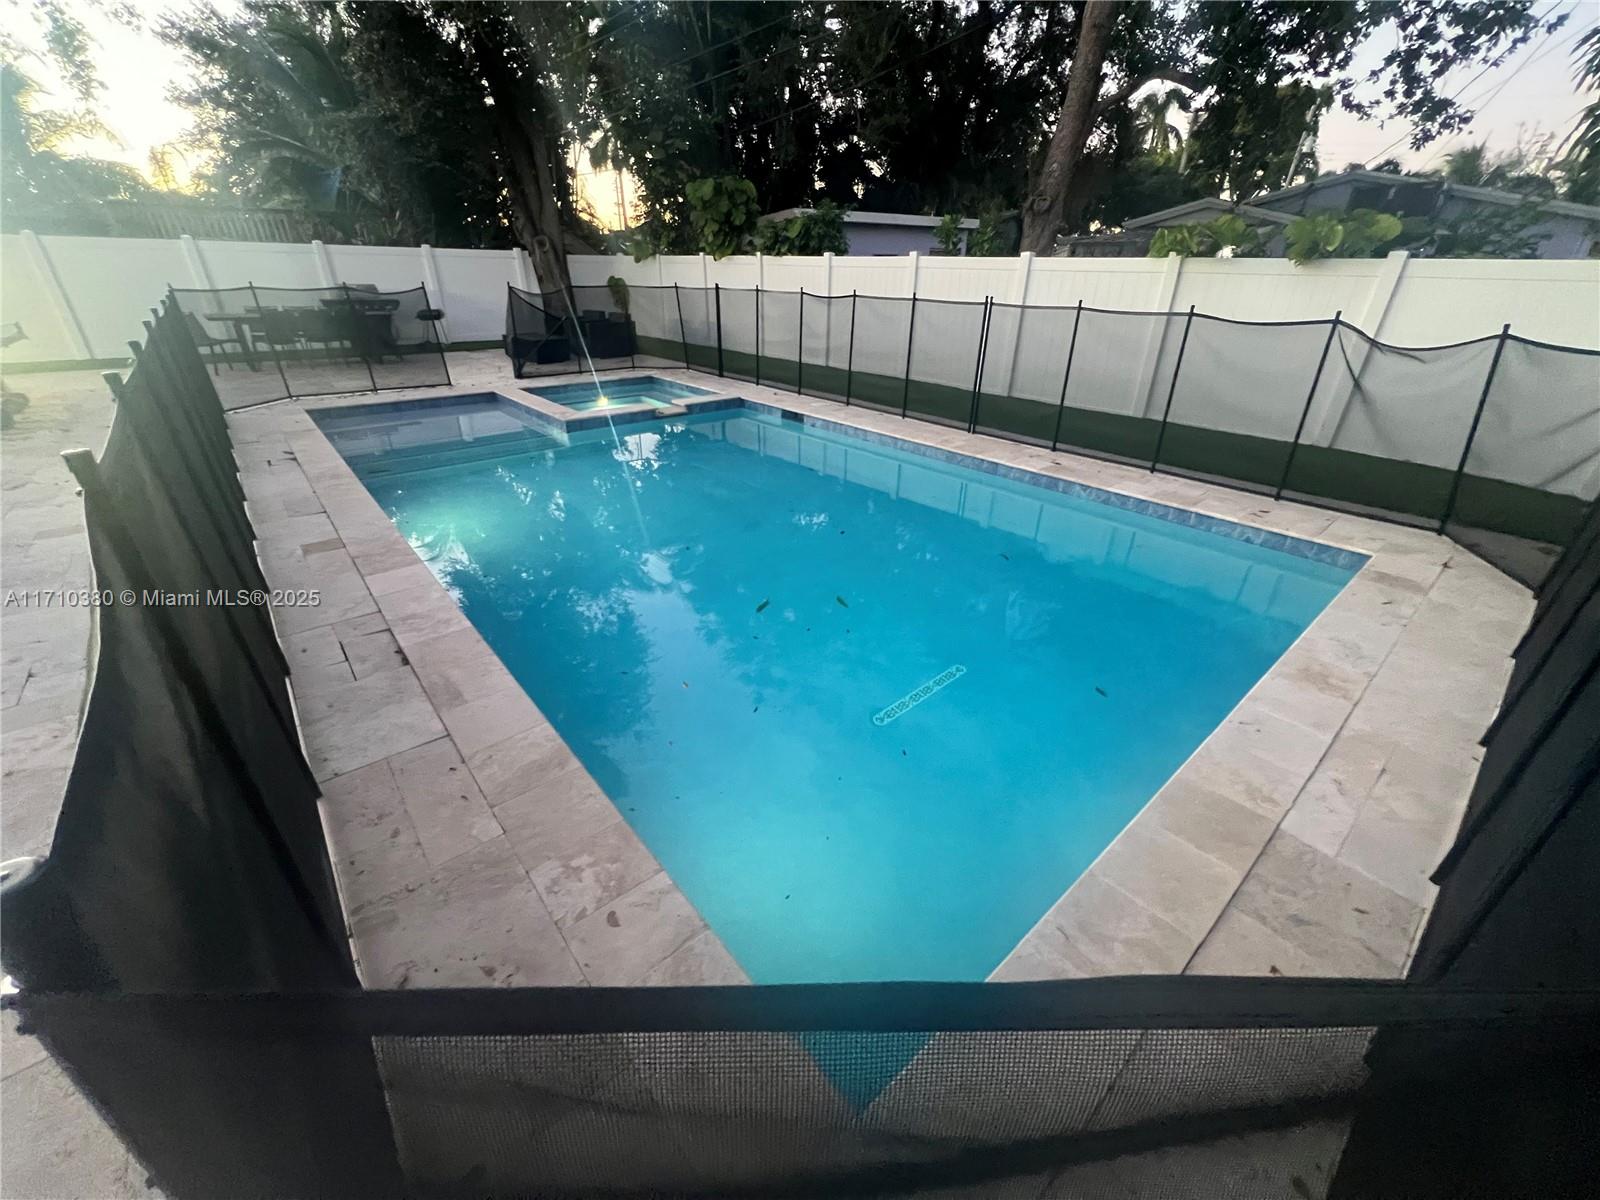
point(1046, 209)
point(1258, 67)
point(420, 121)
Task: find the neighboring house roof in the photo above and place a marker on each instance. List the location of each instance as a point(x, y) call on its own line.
point(857, 217)
point(1200, 210)
point(1501, 196)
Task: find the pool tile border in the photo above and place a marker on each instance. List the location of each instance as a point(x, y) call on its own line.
point(1290, 795)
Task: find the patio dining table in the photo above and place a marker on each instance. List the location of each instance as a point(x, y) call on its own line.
point(363, 324)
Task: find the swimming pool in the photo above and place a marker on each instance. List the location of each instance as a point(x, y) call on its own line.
point(872, 711)
point(613, 393)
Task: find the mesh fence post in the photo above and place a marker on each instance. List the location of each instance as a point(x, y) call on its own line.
point(1172, 390)
point(1472, 432)
point(427, 306)
point(1066, 376)
point(850, 352)
point(255, 303)
point(718, 294)
point(1311, 394)
point(758, 335)
point(358, 332)
point(911, 334)
point(683, 334)
point(977, 367)
point(800, 348)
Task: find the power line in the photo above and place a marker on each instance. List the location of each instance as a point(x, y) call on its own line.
point(1457, 93)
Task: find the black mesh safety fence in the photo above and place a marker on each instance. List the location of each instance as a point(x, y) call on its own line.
point(1389, 427)
point(781, 337)
point(555, 333)
point(1214, 428)
point(740, 332)
point(825, 345)
point(265, 343)
point(881, 353)
point(1495, 441)
point(1535, 451)
point(1166, 1086)
point(189, 851)
point(946, 344)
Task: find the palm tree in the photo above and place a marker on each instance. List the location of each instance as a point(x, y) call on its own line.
point(1152, 120)
point(37, 170)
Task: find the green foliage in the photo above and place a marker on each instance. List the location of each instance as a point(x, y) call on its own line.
point(1207, 239)
point(1359, 233)
point(1579, 165)
point(947, 234)
point(814, 102)
point(618, 286)
point(817, 231)
point(37, 173)
point(989, 237)
point(1485, 231)
point(722, 213)
point(376, 112)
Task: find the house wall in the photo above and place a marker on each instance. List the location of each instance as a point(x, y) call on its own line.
point(889, 239)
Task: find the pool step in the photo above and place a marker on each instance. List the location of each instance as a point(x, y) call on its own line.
point(490, 448)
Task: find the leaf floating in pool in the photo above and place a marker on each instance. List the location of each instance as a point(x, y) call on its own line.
point(839, 600)
point(613, 920)
point(756, 709)
point(762, 607)
point(903, 753)
point(1007, 557)
point(685, 683)
point(1101, 690)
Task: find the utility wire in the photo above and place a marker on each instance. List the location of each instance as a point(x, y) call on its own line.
point(1457, 93)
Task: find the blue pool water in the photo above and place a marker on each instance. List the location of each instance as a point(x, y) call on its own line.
point(873, 712)
point(614, 393)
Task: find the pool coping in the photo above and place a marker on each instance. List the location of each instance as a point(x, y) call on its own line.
point(1194, 881)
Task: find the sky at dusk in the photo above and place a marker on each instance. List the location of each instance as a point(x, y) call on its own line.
point(1532, 92)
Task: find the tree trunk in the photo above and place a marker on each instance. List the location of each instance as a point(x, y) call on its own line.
point(530, 172)
point(1046, 206)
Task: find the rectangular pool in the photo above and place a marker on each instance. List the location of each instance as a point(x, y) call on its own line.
point(874, 712)
point(614, 393)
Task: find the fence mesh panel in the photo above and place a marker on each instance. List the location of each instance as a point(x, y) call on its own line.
point(1258, 418)
point(1024, 366)
point(883, 330)
point(739, 332)
point(1540, 434)
point(780, 339)
point(655, 317)
point(945, 344)
point(1393, 426)
point(826, 342)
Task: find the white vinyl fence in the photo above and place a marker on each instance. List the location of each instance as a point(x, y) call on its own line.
point(83, 298)
point(1400, 300)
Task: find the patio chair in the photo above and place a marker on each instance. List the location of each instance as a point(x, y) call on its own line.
point(205, 341)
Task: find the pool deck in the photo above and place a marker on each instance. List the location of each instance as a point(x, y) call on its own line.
point(473, 848)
